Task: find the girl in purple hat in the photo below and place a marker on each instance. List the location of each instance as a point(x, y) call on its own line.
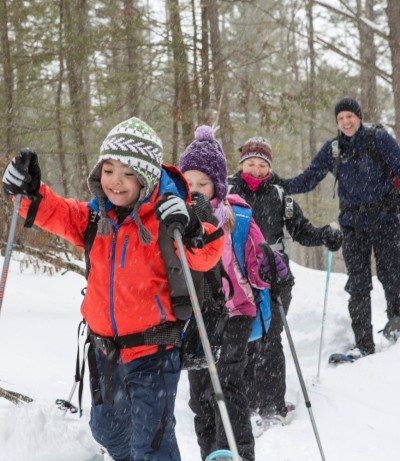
point(204, 167)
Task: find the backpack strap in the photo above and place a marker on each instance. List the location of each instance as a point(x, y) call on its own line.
point(370, 138)
point(279, 190)
point(240, 233)
point(335, 146)
point(180, 297)
point(88, 238)
point(287, 202)
point(239, 237)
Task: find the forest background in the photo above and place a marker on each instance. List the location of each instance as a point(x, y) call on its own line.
point(72, 69)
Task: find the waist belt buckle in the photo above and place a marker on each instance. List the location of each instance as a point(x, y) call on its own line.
point(106, 345)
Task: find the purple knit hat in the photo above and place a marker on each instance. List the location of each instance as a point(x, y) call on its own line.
point(205, 154)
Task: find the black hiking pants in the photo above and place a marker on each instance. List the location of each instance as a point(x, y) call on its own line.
point(384, 241)
point(207, 420)
point(265, 372)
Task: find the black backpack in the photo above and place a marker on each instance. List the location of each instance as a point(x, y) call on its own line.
point(370, 137)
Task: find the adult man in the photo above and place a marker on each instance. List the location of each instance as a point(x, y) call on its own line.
point(368, 214)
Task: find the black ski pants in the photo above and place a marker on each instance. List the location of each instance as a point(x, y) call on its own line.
point(207, 421)
point(384, 241)
point(265, 372)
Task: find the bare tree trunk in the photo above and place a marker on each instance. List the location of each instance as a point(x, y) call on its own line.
point(181, 72)
point(19, 62)
point(59, 129)
point(393, 14)
point(220, 73)
point(175, 126)
point(132, 19)
point(196, 85)
point(311, 79)
point(205, 65)
point(8, 76)
point(369, 98)
point(76, 38)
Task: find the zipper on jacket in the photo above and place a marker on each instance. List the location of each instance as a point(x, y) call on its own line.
point(112, 274)
point(124, 248)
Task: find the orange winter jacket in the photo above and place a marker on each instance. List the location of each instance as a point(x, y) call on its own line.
point(127, 289)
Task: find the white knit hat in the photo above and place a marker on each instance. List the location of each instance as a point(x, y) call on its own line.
point(135, 144)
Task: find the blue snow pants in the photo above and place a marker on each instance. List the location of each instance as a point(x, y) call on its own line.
point(144, 393)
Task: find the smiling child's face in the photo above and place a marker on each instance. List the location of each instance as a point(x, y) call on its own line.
point(120, 183)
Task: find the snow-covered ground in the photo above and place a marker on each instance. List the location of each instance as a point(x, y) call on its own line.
point(355, 406)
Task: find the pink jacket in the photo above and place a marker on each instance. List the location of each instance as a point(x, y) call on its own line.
point(243, 302)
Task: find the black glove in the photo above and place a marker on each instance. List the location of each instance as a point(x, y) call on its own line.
point(22, 175)
point(202, 207)
point(173, 212)
point(332, 238)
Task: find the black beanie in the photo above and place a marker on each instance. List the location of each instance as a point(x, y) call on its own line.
point(349, 105)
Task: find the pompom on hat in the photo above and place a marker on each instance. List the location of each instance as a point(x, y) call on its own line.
point(205, 154)
point(256, 147)
point(348, 105)
point(135, 144)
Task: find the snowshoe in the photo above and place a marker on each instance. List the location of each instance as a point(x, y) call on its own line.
point(340, 358)
point(269, 421)
point(392, 329)
point(256, 424)
point(220, 455)
point(14, 397)
point(260, 423)
point(353, 354)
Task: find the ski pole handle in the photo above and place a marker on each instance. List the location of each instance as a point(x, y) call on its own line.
point(176, 226)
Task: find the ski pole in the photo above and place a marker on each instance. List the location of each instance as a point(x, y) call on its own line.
point(11, 237)
point(206, 347)
point(10, 244)
point(66, 405)
point(267, 251)
point(328, 273)
point(300, 375)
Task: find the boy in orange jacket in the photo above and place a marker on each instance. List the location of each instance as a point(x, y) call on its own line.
point(134, 331)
